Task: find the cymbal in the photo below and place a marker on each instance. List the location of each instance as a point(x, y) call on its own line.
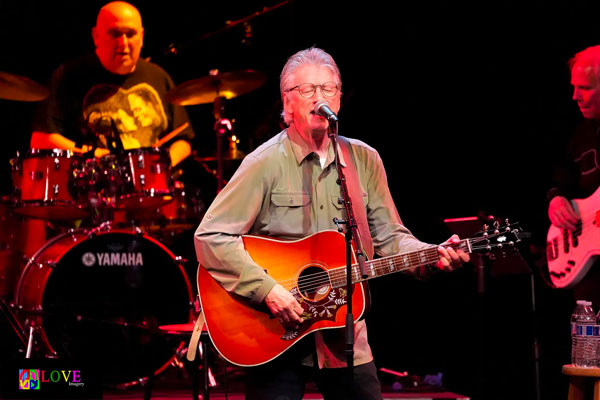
point(208, 88)
point(15, 87)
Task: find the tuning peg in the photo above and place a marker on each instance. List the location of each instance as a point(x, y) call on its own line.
point(496, 227)
point(486, 228)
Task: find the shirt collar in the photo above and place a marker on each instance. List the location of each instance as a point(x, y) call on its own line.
point(301, 150)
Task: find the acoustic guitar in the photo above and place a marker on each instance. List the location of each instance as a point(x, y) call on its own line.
point(313, 269)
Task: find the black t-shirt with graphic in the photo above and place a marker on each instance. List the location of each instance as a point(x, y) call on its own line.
point(86, 101)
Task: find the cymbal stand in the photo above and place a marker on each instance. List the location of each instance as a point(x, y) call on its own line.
point(30, 341)
point(13, 321)
point(222, 126)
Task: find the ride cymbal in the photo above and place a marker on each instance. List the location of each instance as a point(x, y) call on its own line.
point(208, 88)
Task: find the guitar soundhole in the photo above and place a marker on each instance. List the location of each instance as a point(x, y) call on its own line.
point(313, 283)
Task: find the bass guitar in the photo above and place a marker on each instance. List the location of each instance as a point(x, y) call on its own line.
point(570, 254)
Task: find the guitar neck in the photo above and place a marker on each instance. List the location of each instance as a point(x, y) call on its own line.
point(392, 264)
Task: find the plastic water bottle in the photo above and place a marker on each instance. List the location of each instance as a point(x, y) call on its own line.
point(597, 337)
point(583, 341)
point(590, 338)
point(575, 316)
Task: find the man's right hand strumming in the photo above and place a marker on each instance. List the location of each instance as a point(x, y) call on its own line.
point(284, 306)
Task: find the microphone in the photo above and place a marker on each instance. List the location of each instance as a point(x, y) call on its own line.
point(322, 109)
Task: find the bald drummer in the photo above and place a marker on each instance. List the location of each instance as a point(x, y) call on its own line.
point(111, 92)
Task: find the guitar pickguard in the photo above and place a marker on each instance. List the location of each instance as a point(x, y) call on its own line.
point(314, 311)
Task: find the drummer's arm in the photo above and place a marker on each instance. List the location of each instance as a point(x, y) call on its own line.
point(43, 140)
point(179, 150)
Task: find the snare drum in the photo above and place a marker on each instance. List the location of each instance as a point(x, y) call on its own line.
point(138, 178)
point(101, 296)
point(44, 185)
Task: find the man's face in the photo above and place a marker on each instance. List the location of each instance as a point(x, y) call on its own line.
point(301, 109)
point(118, 37)
point(586, 90)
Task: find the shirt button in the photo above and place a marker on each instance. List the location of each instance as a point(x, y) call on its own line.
point(321, 206)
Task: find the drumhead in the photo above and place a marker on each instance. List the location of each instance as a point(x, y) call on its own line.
point(105, 297)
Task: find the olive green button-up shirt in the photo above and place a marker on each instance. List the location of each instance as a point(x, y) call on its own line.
point(281, 190)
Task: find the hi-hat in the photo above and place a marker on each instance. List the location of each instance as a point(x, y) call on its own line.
point(208, 88)
point(20, 88)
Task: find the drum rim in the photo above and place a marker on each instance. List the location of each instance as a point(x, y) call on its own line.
point(26, 207)
point(56, 152)
point(143, 150)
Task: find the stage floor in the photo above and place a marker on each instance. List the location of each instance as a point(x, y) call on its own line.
point(166, 394)
point(175, 384)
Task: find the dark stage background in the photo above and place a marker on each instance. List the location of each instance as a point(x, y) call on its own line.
point(468, 104)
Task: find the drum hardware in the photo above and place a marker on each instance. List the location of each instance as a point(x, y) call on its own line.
point(185, 331)
point(216, 88)
point(30, 341)
point(102, 227)
point(13, 321)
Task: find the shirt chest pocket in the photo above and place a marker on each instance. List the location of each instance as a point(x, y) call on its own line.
point(290, 214)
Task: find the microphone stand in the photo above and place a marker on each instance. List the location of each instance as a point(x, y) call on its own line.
point(351, 233)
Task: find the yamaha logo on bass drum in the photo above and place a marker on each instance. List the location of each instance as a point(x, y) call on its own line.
point(113, 259)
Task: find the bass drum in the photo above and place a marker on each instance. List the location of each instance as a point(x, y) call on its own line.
point(100, 297)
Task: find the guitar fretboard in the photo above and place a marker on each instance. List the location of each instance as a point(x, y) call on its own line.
point(396, 263)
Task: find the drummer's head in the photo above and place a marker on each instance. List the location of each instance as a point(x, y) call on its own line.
point(118, 37)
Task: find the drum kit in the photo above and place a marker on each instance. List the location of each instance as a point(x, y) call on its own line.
point(85, 268)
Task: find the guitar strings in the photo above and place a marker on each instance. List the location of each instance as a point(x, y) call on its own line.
point(318, 280)
point(331, 277)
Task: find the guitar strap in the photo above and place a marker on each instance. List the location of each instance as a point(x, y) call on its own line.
point(195, 339)
point(360, 214)
point(356, 193)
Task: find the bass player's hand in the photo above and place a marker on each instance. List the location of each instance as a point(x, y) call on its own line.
point(561, 213)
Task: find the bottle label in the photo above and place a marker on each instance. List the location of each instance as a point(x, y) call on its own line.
point(587, 330)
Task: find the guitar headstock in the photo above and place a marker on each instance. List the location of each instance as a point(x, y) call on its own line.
point(500, 238)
